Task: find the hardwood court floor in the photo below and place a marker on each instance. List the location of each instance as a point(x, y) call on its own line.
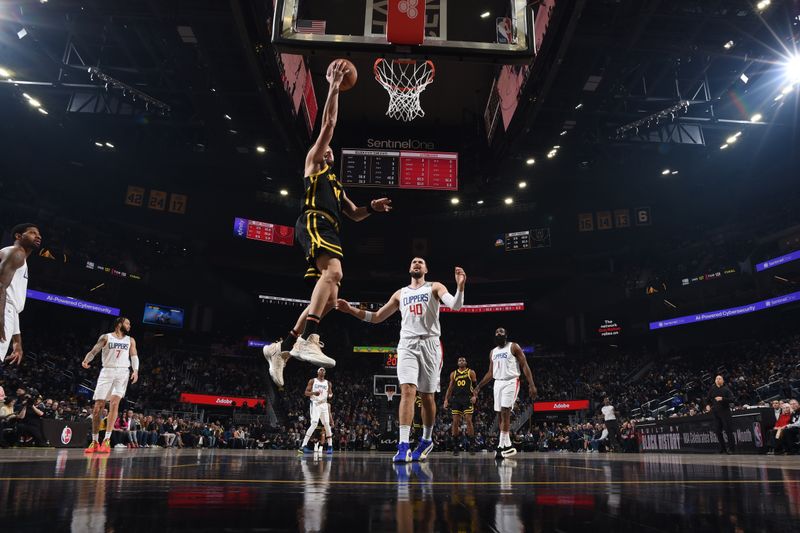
point(148, 490)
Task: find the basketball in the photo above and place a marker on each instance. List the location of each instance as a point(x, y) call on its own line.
point(350, 77)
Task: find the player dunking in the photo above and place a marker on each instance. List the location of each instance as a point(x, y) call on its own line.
point(320, 390)
point(419, 353)
point(462, 383)
point(317, 231)
point(14, 287)
point(505, 362)
point(119, 353)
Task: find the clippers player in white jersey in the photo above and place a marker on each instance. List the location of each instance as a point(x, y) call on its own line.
point(14, 287)
point(119, 354)
point(320, 390)
point(419, 353)
point(505, 363)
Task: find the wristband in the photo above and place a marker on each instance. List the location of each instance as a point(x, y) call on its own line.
point(368, 316)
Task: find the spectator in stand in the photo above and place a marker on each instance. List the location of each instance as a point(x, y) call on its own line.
point(600, 439)
point(788, 435)
point(777, 408)
point(30, 421)
point(775, 444)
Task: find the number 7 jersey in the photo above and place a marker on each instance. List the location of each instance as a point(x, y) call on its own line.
point(117, 352)
point(419, 309)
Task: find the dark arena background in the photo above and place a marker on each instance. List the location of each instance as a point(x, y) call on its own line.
point(618, 179)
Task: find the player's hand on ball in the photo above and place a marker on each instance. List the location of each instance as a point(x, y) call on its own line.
point(134, 377)
point(381, 205)
point(336, 73)
point(461, 277)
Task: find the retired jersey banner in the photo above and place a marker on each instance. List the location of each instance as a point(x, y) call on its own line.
point(222, 401)
point(566, 405)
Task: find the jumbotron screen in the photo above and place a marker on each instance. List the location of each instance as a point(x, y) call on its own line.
point(400, 169)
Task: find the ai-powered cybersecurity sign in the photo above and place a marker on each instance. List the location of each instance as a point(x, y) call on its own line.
point(566, 405)
point(221, 401)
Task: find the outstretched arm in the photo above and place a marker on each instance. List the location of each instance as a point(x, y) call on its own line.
point(453, 302)
point(316, 155)
point(517, 352)
point(94, 351)
point(378, 316)
point(357, 214)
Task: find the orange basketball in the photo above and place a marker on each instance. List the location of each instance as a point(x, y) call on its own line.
point(350, 77)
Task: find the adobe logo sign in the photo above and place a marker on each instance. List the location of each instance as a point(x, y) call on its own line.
point(566, 405)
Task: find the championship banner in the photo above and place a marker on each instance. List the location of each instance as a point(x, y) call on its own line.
point(223, 401)
point(696, 434)
point(566, 405)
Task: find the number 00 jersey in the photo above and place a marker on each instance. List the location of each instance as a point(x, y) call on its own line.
point(463, 384)
point(504, 364)
point(419, 309)
point(117, 352)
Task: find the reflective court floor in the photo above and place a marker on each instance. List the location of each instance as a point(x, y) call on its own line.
point(149, 490)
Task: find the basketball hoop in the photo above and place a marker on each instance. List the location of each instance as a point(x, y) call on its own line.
point(391, 390)
point(404, 80)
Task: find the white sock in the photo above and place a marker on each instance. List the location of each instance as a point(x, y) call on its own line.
point(405, 433)
point(95, 437)
point(305, 441)
point(427, 432)
point(505, 440)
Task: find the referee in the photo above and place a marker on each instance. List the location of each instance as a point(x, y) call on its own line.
point(720, 398)
point(610, 417)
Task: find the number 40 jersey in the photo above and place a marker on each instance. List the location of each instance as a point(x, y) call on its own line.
point(419, 309)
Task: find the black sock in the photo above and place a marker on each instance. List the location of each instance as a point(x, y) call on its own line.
point(288, 343)
point(312, 323)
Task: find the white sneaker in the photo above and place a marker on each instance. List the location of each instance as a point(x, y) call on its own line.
point(310, 351)
point(272, 353)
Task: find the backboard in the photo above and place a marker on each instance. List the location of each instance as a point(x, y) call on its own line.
point(381, 382)
point(492, 31)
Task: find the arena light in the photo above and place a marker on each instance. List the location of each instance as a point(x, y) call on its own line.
point(763, 4)
point(733, 138)
point(723, 147)
point(109, 145)
point(728, 45)
point(98, 144)
point(284, 192)
point(744, 78)
point(674, 172)
point(454, 200)
point(508, 201)
point(228, 117)
point(34, 102)
point(756, 118)
point(42, 111)
point(777, 97)
point(793, 69)
point(480, 202)
point(665, 172)
point(260, 149)
point(530, 161)
point(5, 73)
point(563, 132)
point(522, 184)
point(485, 15)
point(580, 105)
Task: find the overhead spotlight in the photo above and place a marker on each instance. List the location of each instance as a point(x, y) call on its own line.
point(724, 146)
point(665, 172)
point(22, 33)
point(34, 102)
point(42, 111)
point(556, 147)
point(260, 149)
point(508, 201)
point(733, 138)
point(522, 184)
point(98, 144)
point(109, 145)
point(793, 69)
point(5, 73)
point(454, 200)
point(756, 118)
point(777, 97)
point(234, 132)
point(479, 202)
point(551, 154)
point(564, 132)
point(744, 78)
point(530, 161)
point(213, 90)
point(485, 15)
point(580, 105)
point(728, 45)
point(227, 116)
point(674, 172)
point(284, 192)
point(27, 96)
point(786, 90)
point(763, 4)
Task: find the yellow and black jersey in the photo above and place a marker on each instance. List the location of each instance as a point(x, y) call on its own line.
point(324, 193)
point(462, 384)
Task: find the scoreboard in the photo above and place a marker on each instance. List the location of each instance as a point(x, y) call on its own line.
point(400, 169)
point(263, 231)
point(519, 240)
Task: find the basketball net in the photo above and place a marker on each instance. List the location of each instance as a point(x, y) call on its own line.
point(404, 80)
point(390, 392)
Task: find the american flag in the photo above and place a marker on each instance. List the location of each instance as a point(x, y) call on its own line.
point(310, 26)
